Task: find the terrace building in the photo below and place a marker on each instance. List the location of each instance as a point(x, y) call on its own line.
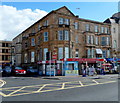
point(61, 34)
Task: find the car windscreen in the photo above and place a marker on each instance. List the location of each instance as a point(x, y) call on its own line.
point(18, 68)
point(7, 68)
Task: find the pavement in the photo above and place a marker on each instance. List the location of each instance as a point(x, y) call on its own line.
point(74, 88)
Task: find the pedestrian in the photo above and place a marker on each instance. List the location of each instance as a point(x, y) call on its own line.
point(91, 71)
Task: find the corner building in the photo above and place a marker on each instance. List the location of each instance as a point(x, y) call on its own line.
point(65, 35)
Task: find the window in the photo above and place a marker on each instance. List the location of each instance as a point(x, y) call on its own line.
point(92, 53)
point(32, 41)
point(45, 23)
point(87, 27)
point(92, 39)
point(45, 51)
point(106, 30)
point(66, 52)
point(108, 53)
point(32, 56)
point(76, 25)
point(107, 40)
point(88, 53)
point(25, 58)
point(33, 30)
point(115, 44)
point(104, 53)
point(66, 35)
point(45, 36)
point(103, 41)
point(96, 41)
point(96, 28)
point(40, 54)
point(77, 53)
point(102, 29)
point(60, 35)
point(61, 21)
point(60, 53)
point(76, 38)
point(66, 21)
point(114, 30)
point(88, 39)
point(39, 27)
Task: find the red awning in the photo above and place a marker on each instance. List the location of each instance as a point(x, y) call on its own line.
point(83, 60)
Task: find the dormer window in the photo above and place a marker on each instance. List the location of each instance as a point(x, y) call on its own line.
point(61, 21)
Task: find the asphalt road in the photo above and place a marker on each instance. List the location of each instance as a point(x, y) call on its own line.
point(65, 89)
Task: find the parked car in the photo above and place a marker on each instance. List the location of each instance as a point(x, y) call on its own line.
point(7, 71)
point(32, 70)
point(18, 71)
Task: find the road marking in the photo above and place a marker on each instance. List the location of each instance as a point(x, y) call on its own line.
point(3, 82)
point(41, 88)
point(63, 85)
point(16, 91)
point(95, 81)
point(81, 83)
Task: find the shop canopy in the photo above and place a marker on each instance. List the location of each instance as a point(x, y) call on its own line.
point(99, 51)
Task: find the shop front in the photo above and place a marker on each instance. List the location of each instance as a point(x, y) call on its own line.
point(50, 68)
point(71, 68)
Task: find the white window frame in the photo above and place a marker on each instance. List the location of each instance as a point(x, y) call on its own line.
point(45, 36)
point(61, 21)
point(66, 35)
point(32, 56)
point(60, 53)
point(45, 51)
point(60, 35)
point(66, 52)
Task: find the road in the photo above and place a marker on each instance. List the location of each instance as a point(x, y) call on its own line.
point(104, 88)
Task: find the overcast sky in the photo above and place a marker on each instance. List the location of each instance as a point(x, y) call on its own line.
point(17, 16)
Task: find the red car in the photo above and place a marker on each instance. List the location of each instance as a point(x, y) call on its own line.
point(19, 70)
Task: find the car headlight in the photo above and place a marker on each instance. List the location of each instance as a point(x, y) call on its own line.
point(16, 71)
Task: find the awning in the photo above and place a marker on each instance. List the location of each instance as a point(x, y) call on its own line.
point(98, 51)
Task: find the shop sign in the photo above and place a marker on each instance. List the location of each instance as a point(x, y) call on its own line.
point(71, 72)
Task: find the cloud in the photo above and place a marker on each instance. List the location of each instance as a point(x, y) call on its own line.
point(13, 21)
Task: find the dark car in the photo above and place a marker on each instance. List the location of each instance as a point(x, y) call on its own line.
point(32, 71)
point(1, 70)
point(18, 71)
point(7, 71)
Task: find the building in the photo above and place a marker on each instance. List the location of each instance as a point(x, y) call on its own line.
point(5, 53)
point(17, 50)
point(61, 34)
point(115, 32)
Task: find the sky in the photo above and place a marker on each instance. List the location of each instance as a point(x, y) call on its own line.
point(17, 16)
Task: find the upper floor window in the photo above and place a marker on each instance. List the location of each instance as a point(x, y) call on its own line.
point(102, 29)
point(32, 56)
point(32, 41)
point(45, 36)
point(45, 52)
point(114, 44)
point(108, 40)
point(104, 53)
point(90, 39)
point(63, 35)
point(66, 21)
point(87, 27)
point(66, 35)
point(96, 41)
point(96, 28)
point(60, 53)
point(114, 30)
point(106, 30)
point(61, 21)
point(60, 35)
point(76, 25)
point(39, 27)
point(103, 41)
point(77, 53)
point(76, 38)
point(45, 23)
point(33, 30)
